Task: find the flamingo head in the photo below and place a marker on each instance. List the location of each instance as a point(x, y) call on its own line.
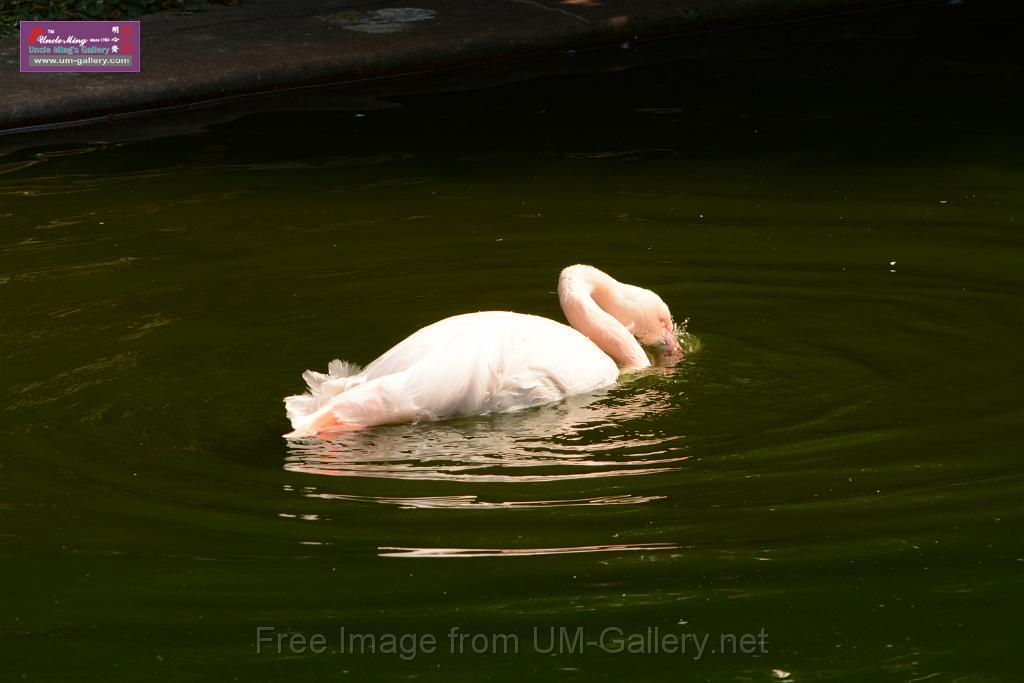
point(654, 326)
point(646, 316)
point(618, 317)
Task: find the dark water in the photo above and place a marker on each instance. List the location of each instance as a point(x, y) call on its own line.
point(829, 489)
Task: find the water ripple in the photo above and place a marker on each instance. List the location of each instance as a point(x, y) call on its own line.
point(399, 551)
point(605, 434)
point(472, 501)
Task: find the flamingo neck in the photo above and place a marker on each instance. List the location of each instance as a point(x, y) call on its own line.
point(580, 288)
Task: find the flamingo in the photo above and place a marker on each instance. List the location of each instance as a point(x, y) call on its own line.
point(493, 361)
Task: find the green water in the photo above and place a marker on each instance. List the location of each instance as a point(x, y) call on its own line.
point(837, 469)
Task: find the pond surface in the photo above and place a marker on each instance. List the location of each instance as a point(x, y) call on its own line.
point(828, 489)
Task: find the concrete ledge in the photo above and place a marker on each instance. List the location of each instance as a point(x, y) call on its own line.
point(264, 45)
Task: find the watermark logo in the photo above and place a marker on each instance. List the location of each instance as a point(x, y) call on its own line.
point(545, 640)
point(80, 46)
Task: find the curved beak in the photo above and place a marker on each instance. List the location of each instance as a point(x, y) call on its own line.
point(671, 341)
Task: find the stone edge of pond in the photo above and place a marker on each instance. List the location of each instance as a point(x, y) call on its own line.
point(269, 45)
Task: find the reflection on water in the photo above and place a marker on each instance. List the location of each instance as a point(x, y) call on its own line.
point(395, 551)
point(471, 501)
point(603, 434)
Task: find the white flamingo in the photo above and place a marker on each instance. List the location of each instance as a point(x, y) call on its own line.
point(493, 361)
